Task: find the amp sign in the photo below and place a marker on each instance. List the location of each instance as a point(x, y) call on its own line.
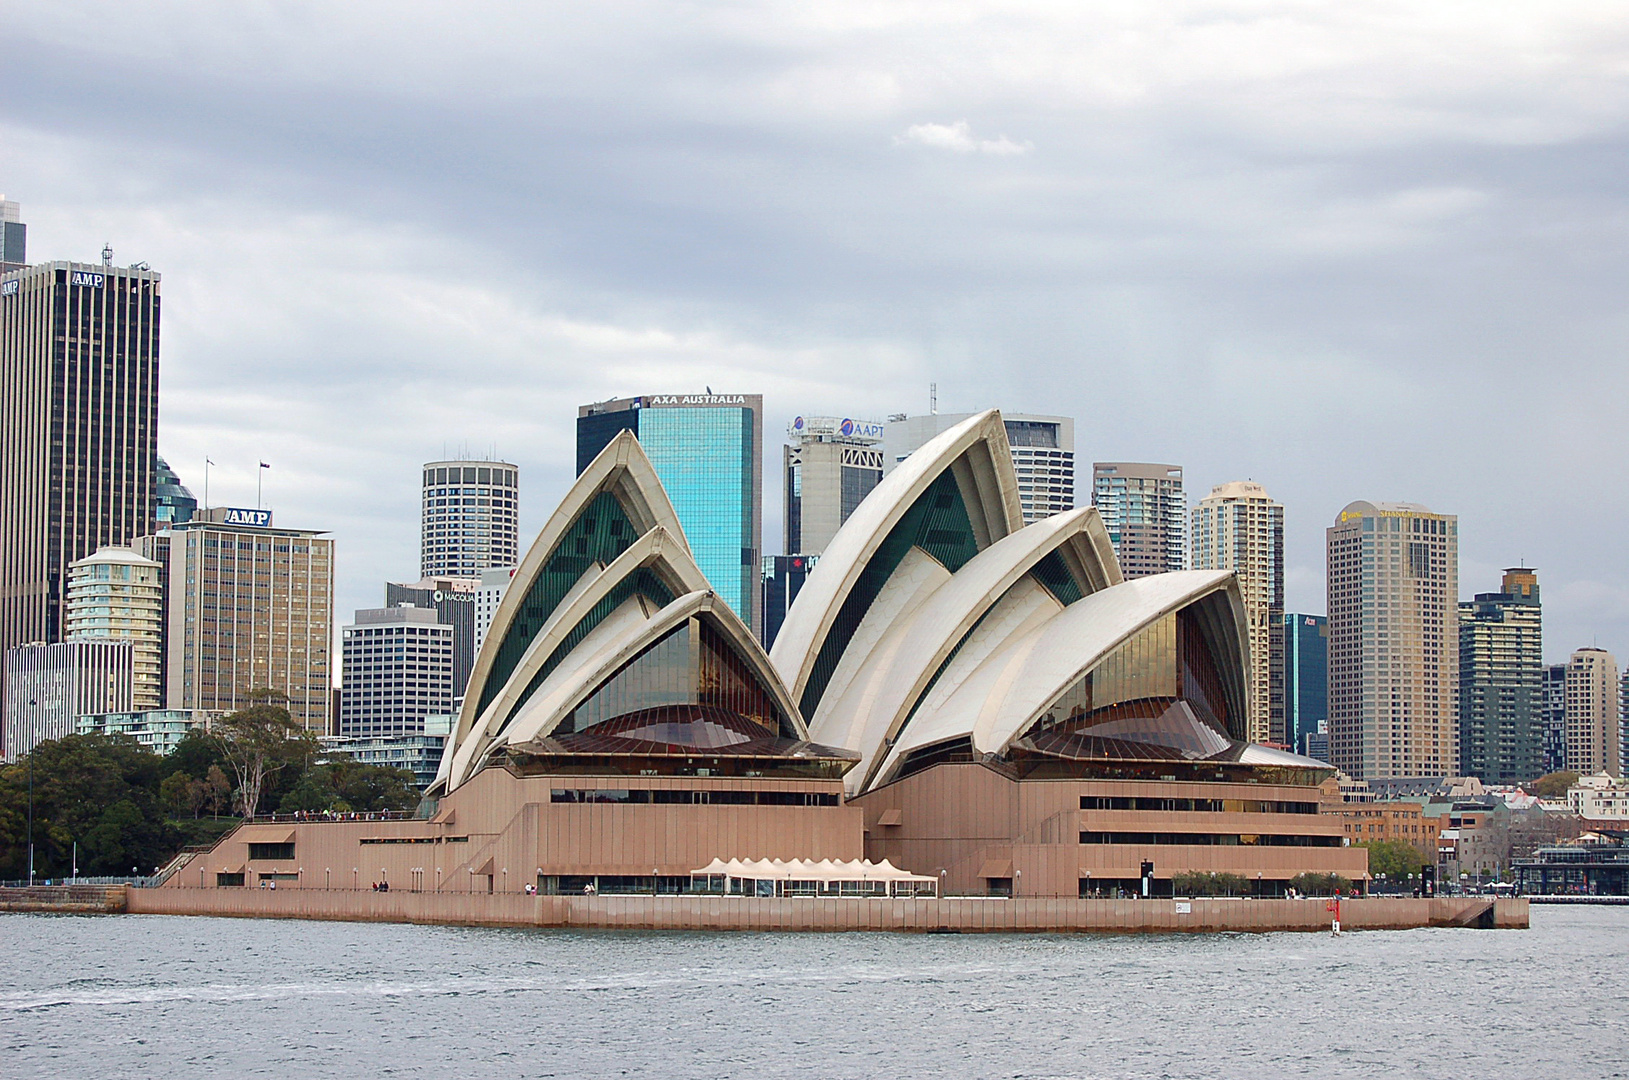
point(85, 277)
point(257, 519)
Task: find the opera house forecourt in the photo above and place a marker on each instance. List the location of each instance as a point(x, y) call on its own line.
point(956, 705)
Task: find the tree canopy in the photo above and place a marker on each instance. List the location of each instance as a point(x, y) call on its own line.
point(1394, 858)
point(97, 791)
point(259, 742)
point(1554, 785)
point(130, 810)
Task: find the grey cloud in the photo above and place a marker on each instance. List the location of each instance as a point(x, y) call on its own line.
point(1349, 254)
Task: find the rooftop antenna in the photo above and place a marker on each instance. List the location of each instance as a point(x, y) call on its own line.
point(933, 399)
point(107, 256)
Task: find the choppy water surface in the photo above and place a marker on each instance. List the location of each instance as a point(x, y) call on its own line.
point(139, 996)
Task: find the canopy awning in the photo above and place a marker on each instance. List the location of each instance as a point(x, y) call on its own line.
point(265, 834)
point(808, 870)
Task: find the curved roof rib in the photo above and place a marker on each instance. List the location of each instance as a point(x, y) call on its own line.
point(558, 697)
point(1006, 694)
point(624, 476)
point(975, 455)
point(589, 604)
point(1070, 556)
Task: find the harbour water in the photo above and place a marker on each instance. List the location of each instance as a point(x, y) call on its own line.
point(150, 996)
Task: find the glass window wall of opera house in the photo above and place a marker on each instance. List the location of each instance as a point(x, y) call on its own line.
point(986, 705)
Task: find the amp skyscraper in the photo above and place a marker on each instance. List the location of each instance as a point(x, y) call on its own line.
point(78, 428)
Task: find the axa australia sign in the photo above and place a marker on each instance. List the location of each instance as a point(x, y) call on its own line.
point(680, 401)
point(258, 519)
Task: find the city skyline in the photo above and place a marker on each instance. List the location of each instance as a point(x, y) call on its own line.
point(1235, 288)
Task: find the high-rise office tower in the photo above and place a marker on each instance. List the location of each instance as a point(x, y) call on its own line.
point(1306, 681)
point(248, 606)
point(173, 504)
point(488, 595)
point(471, 518)
point(784, 576)
point(13, 237)
point(1501, 682)
point(707, 450)
point(1146, 513)
point(1593, 739)
point(48, 687)
point(1623, 713)
point(830, 465)
point(1393, 641)
point(119, 594)
point(398, 670)
point(453, 600)
point(78, 428)
point(1042, 447)
point(1555, 717)
point(1239, 527)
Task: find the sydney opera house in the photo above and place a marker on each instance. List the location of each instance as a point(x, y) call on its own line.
point(978, 702)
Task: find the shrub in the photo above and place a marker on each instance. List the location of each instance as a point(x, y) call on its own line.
point(1199, 883)
point(1321, 884)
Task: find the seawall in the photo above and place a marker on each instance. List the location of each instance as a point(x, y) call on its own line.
point(66, 899)
point(971, 915)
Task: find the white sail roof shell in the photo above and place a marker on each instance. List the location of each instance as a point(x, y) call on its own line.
point(1009, 691)
point(873, 705)
point(976, 450)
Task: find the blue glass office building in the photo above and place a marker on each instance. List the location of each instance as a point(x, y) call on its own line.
point(173, 504)
point(1306, 680)
point(708, 452)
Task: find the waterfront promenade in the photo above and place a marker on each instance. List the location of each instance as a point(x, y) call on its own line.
point(969, 915)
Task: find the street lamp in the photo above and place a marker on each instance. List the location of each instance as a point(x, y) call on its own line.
point(31, 703)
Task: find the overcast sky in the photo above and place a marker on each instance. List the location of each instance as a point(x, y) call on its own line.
point(1349, 250)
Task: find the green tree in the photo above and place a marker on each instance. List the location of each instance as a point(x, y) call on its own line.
point(196, 754)
point(217, 791)
point(344, 784)
point(1554, 785)
point(97, 791)
point(181, 795)
point(259, 742)
point(1394, 858)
